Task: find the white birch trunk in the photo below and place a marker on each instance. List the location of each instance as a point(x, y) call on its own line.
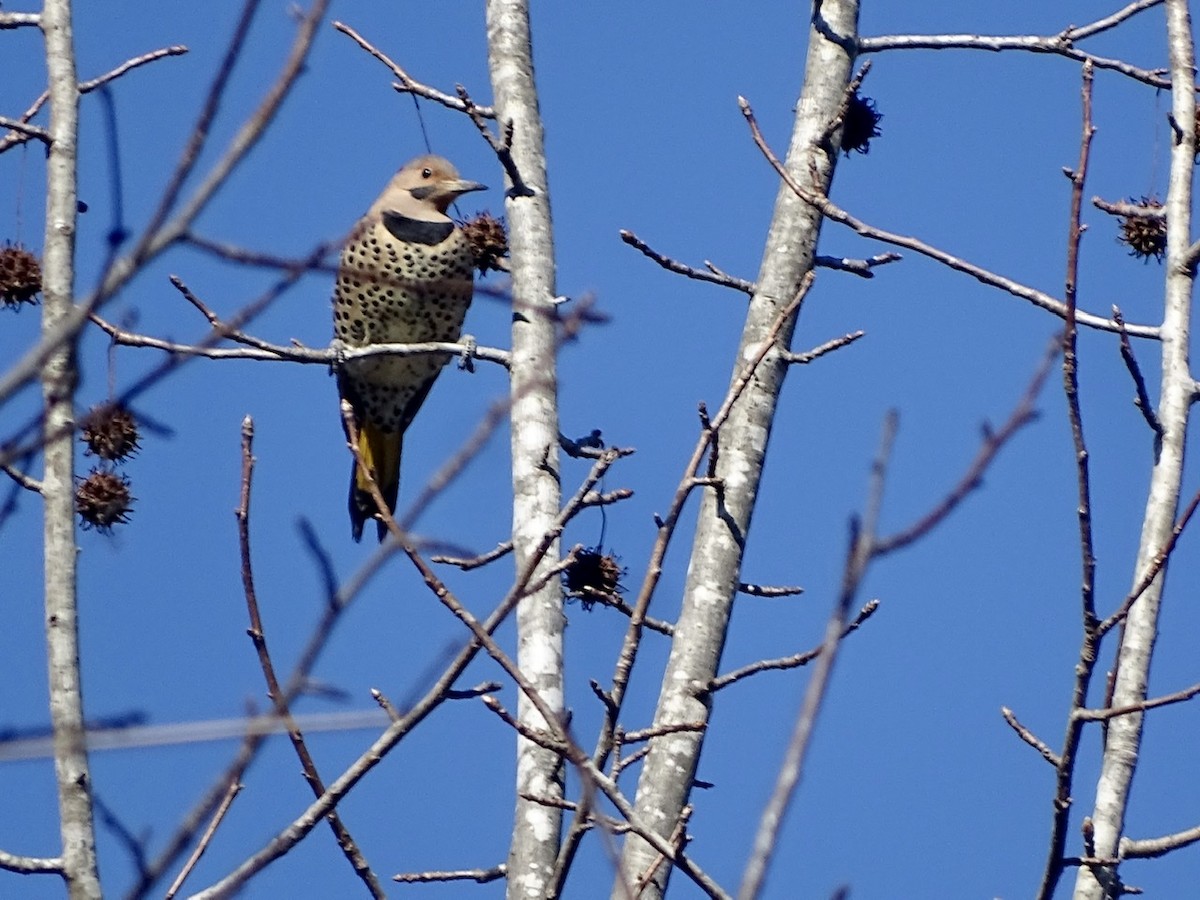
point(666, 779)
point(536, 492)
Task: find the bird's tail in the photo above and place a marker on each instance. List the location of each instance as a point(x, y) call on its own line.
point(381, 454)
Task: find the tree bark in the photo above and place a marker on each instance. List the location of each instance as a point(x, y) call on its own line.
point(1141, 627)
point(724, 520)
point(536, 490)
point(59, 379)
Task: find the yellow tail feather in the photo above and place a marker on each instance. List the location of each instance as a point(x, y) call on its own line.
point(381, 455)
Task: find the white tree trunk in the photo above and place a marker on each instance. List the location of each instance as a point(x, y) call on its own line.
point(1141, 627)
point(713, 575)
point(59, 378)
point(536, 491)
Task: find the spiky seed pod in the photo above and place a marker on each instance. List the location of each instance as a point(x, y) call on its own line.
point(1146, 235)
point(488, 240)
point(110, 432)
point(593, 576)
point(103, 500)
point(20, 276)
point(861, 124)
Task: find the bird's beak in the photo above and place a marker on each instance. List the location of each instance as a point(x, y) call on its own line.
point(444, 193)
point(462, 187)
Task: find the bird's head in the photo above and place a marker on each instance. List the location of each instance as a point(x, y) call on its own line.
point(426, 186)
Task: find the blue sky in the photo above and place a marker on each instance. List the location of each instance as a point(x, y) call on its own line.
point(915, 786)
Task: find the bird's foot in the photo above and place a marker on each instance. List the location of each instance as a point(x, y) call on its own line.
point(338, 349)
point(467, 359)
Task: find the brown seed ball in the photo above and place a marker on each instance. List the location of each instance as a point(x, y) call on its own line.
point(20, 276)
point(103, 500)
point(488, 239)
point(1146, 236)
point(593, 576)
point(860, 125)
point(110, 432)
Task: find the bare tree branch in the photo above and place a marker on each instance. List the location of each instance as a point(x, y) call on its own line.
point(832, 211)
point(1061, 44)
point(235, 788)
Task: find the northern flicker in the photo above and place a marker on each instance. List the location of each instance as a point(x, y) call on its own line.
point(405, 276)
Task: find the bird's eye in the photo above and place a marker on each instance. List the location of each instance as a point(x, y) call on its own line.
point(427, 173)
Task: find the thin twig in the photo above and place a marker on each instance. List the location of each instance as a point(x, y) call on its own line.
point(26, 481)
point(30, 865)
point(1071, 363)
point(10, 140)
point(828, 347)
point(832, 211)
point(26, 129)
point(1156, 566)
point(1030, 738)
point(972, 479)
point(858, 558)
point(789, 662)
point(1129, 209)
point(654, 568)
point(1142, 399)
point(1102, 715)
point(712, 276)
point(1061, 44)
point(863, 268)
point(480, 876)
point(1148, 848)
point(408, 84)
point(19, 20)
point(235, 788)
point(775, 590)
point(474, 562)
point(275, 692)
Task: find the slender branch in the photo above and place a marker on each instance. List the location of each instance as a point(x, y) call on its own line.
point(31, 865)
point(863, 268)
point(1103, 715)
point(972, 479)
point(1061, 44)
point(1070, 365)
point(501, 550)
point(645, 734)
point(1157, 562)
point(712, 276)
point(258, 349)
point(480, 876)
point(26, 481)
point(19, 20)
point(235, 788)
point(1128, 209)
point(831, 210)
point(1148, 848)
point(858, 559)
point(247, 257)
point(1142, 399)
point(789, 662)
point(162, 233)
point(30, 131)
point(1030, 738)
point(816, 353)
point(763, 590)
point(275, 692)
point(541, 738)
point(10, 140)
point(408, 84)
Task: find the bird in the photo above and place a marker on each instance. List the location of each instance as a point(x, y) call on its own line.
point(405, 275)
